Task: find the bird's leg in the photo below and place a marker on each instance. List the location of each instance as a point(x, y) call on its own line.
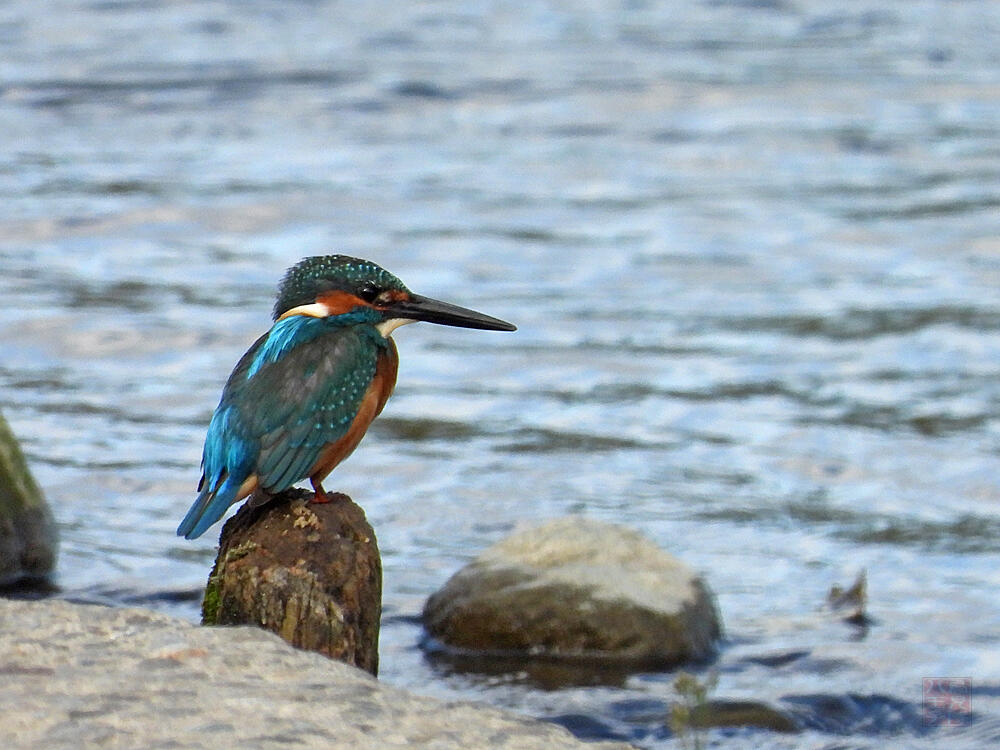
point(319, 495)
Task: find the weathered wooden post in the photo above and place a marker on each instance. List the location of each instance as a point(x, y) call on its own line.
point(309, 572)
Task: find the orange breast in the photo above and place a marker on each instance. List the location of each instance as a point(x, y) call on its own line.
point(371, 406)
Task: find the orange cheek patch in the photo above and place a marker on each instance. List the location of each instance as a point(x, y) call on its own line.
point(340, 302)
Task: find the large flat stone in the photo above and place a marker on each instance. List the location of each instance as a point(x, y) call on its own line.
point(77, 676)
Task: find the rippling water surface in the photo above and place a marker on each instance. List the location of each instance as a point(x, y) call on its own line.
point(752, 249)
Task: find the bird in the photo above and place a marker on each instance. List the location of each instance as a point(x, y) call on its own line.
point(303, 395)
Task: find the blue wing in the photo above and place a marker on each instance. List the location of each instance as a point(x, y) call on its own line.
point(298, 388)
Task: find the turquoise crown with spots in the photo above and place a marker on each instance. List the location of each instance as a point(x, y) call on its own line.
point(311, 277)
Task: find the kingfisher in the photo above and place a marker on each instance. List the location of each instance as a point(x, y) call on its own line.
point(302, 397)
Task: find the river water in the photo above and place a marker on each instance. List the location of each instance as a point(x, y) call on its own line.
point(752, 248)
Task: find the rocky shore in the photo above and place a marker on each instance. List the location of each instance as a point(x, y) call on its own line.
point(86, 676)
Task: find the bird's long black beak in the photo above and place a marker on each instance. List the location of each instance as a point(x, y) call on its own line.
point(445, 313)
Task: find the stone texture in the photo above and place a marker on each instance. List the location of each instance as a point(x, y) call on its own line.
point(75, 676)
point(577, 589)
point(27, 531)
point(309, 572)
point(730, 713)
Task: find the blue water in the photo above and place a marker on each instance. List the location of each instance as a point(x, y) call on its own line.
point(751, 247)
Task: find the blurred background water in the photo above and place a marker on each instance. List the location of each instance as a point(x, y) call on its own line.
point(752, 246)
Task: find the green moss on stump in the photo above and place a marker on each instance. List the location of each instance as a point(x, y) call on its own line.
point(210, 604)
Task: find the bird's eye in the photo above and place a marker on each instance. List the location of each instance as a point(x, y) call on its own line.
point(369, 292)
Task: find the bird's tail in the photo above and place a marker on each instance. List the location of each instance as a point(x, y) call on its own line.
point(208, 508)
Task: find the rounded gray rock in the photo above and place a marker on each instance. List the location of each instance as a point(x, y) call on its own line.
point(27, 530)
point(577, 589)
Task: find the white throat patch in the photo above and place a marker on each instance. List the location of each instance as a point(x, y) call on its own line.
point(386, 327)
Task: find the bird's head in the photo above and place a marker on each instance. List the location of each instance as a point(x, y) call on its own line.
point(332, 285)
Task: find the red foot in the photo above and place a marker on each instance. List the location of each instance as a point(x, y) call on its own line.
point(320, 497)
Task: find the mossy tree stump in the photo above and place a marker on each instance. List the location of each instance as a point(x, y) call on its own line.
point(309, 572)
